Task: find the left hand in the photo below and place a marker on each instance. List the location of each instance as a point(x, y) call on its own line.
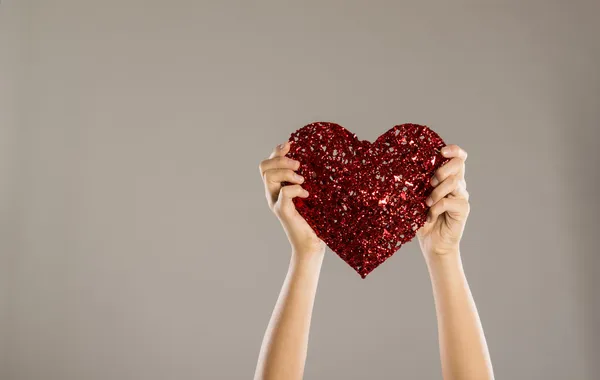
point(449, 207)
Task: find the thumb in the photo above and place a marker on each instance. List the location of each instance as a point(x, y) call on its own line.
point(285, 205)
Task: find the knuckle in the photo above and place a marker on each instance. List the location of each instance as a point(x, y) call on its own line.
point(443, 203)
point(292, 163)
point(267, 174)
point(289, 174)
point(285, 162)
point(457, 162)
point(455, 181)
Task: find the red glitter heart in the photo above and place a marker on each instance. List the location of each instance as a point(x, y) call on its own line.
point(365, 199)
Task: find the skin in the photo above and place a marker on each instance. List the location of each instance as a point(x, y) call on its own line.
point(463, 350)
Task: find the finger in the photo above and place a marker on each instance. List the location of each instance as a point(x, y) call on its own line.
point(451, 185)
point(455, 207)
point(278, 162)
point(281, 150)
point(274, 178)
point(452, 150)
point(286, 194)
point(455, 166)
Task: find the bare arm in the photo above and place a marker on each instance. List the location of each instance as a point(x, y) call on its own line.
point(463, 348)
point(284, 347)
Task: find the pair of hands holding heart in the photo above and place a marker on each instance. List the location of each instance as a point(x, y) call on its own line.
point(364, 200)
point(443, 201)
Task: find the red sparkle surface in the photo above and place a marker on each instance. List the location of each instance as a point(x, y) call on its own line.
point(365, 199)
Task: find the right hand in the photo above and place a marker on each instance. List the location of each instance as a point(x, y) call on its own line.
point(275, 170)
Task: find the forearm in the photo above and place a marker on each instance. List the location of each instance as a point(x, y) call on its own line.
point(463, 349)
point(284, 346)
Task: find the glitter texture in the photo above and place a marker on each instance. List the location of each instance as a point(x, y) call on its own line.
point(365, 199)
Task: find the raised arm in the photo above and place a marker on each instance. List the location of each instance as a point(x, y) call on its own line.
point(283, 351)
point(463, 349)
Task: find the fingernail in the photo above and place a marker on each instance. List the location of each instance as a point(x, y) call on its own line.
point(299, 178)
point(428, 218)
point(428, 201)
point(434, 181)
point(280, 146)
point(445, 151)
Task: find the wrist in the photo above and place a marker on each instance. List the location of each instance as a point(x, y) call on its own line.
point(308, 257)
point(446, 260)
point(446, 271)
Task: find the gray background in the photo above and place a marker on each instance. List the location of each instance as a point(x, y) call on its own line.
point(136, 240)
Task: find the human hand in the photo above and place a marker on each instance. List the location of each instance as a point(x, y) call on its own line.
point(275, 170)
point(449, 207)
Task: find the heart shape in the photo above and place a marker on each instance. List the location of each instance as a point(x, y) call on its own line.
point(365, 199)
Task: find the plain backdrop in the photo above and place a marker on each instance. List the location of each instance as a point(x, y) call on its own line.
point(136, 241)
